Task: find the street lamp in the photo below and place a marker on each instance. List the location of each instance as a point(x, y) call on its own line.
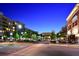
point(21, 32)
point(25, 32)
point(11, 36)
point(20, 26)
point(11, 33)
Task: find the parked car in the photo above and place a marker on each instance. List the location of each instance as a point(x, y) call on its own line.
point(10, 39)
point(72, 39)
point(62, 41)
point(53, 41)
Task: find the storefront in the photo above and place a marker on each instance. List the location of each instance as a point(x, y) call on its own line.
point(73, 22)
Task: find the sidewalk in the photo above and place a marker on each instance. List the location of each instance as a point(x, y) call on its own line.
point(27, 43)
point(11, 47)
point(67, 45)
point(16, 43)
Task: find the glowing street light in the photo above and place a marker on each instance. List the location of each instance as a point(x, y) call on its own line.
point(21, 32)
point(25, 32)
point(19, 26)
point(11, 33)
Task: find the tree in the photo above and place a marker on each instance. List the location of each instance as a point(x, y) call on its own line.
point(53, 35)
point(58, 35)
point(34, 36)
point(16, 35)
point(28, 33)
point(63, 32)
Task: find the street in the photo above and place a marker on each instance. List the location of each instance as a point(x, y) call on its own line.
point(40, 49)
point(47, 50)
point(39, 29)
point(10, 47)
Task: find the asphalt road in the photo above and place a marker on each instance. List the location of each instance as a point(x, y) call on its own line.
point(6, 49)
point(44, 48)
point(48, 50)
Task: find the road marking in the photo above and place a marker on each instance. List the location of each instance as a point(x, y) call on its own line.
point(22, 50)
point(27, 51)
point(66, 45)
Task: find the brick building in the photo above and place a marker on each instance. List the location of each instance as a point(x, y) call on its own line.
point(73, 22)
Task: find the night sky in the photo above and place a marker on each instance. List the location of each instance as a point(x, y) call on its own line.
point(39, 17)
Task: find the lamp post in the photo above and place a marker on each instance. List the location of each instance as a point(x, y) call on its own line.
point(11, 36)
point(11, 33)
point(19, 27)
point(21, 32)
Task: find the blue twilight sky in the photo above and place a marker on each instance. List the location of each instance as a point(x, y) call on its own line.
point(39, 17)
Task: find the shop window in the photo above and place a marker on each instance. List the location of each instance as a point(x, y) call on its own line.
point(74, 18)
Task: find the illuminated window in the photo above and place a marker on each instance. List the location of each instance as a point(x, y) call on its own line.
point(1, 31)
point(9, 23)
point(69, 32)
point(74, 18)
point(13, 30)
point(75, 30)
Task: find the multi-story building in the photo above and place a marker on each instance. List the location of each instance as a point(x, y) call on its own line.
point(46, 35)
point(3, 25)
point(6, 26)
point(73, 22)
point(1, 32)
point(30, 32)
point(10, 29)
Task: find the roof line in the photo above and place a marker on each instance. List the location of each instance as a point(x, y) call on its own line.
point(73, 10)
